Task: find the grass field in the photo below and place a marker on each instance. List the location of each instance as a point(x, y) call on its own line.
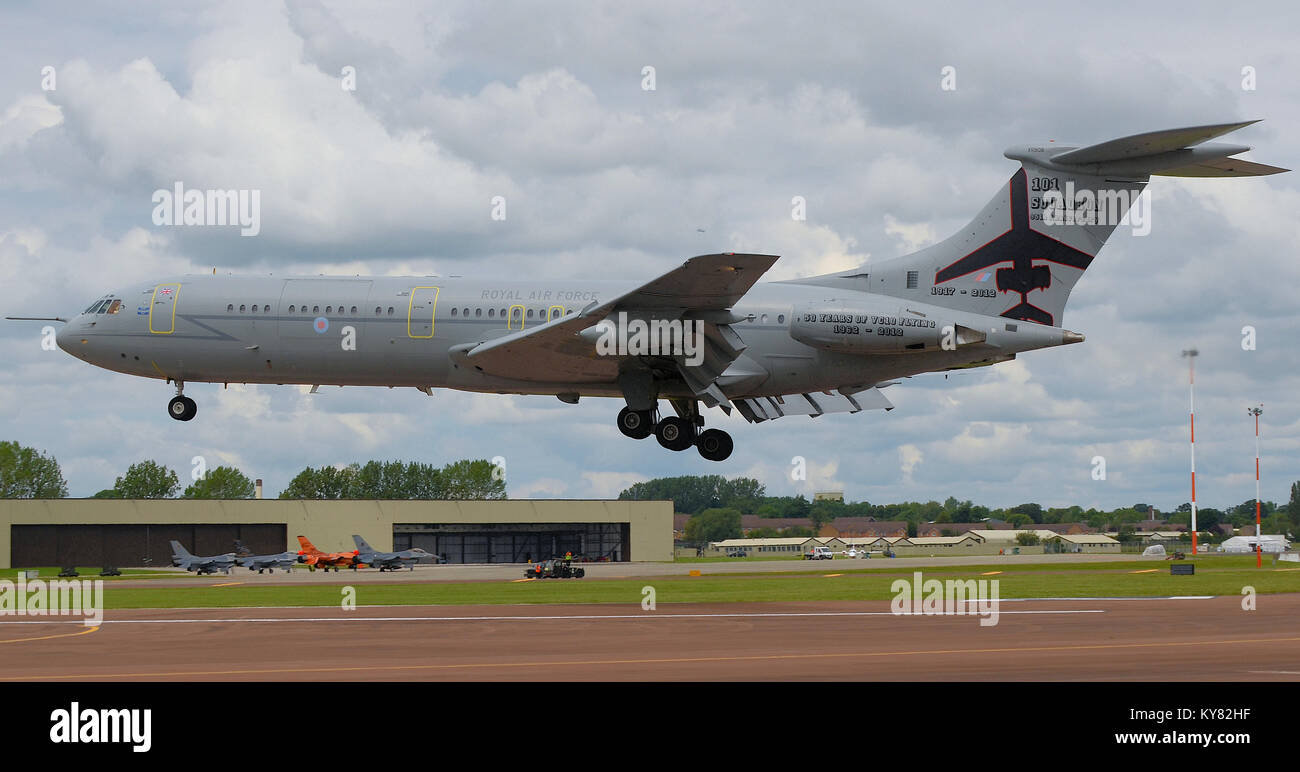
point(1215, 576)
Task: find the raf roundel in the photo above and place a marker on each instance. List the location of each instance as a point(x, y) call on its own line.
point(321, 324)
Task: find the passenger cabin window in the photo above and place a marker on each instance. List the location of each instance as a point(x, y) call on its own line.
point(241, 309)
point(291, 309)
point(453, 311)
point(266, 309)
point(231, 307)
point(354, 310)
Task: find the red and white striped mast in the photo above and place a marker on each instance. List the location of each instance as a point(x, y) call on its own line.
point(1191, 381)
point(1259, 555)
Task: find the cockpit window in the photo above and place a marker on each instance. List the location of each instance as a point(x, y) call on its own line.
point(115, 306)
point(102, 307)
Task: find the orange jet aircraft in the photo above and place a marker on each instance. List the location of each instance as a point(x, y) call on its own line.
point(313, 557)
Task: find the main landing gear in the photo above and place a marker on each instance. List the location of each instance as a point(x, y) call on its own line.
point(677, 432)
point(181, 407)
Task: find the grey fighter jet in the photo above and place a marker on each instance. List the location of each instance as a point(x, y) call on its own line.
point(388, 561)
point(704, 334)
point(181, 558)
point(261, 563)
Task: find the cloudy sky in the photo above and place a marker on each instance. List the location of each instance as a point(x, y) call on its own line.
point(754, 103)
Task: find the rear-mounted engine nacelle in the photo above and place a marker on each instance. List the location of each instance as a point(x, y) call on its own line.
point(850, 330)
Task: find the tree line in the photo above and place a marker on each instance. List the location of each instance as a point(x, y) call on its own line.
point(725, 500)
point(26, 473)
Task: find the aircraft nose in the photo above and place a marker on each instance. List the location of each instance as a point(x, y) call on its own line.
point(63, 339)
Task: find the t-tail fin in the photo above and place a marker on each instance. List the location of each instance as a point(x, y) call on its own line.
point(1028, 246)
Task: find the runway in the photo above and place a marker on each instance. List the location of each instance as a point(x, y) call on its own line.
point(1039, 640)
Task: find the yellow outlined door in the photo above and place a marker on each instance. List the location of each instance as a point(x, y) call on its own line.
point(420, 311)
point(516, 315)
point(162, 309)
point(555, 312)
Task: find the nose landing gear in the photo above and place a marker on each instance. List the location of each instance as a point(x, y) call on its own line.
point(181, 407)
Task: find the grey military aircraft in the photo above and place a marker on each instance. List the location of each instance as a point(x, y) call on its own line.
point(703, 334)
point(181, 558)
point(388, 561)
point(245, 558)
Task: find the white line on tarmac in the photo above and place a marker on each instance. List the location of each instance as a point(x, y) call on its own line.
point(647, 615)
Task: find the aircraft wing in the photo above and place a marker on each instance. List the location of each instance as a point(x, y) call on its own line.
point(554, 352)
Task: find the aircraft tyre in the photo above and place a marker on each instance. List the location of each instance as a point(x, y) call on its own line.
point(714, 445)
point(675, 433)
point(637, 424)
point(182, 408)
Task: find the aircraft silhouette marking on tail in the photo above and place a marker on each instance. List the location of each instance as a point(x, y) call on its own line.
point(1019, 245)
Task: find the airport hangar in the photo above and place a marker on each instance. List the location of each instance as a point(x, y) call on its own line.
point(136, 532)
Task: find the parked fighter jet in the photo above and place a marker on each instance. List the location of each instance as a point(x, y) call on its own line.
point(701, 334)
point(261, 563)
point(181, 558)
point(313, 557)
point(389, 561)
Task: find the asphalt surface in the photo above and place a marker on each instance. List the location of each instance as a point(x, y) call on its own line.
point(1191, 639)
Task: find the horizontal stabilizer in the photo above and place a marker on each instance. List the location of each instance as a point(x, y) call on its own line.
point(1222, 167)
point(1149, 143)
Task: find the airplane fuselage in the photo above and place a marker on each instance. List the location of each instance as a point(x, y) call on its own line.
point(398, 332)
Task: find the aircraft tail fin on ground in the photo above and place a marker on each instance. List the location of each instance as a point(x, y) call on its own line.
point(178, 551)
point(1025, 250)
point(361, 544)
point(306, 544)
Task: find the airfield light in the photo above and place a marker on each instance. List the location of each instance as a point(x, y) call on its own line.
point(1259, 554)
point(1191, 354)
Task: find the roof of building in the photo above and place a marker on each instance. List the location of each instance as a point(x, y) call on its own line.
point(1084, 538)
point(922, 541)
point(772, 542)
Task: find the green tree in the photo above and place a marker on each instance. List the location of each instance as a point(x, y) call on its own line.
point(1027, 539)
point(327, 482)
point(467, 479)
point(1019, 519)
point(146, 480)
point(223, 482)
point(1035, 511)
point(696, 493)
point(1293, 506)
point(26, 473)
point(713, 525)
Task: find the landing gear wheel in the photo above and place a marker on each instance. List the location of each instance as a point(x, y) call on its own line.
point(714, 445)
point(675, 433)
point(182, 408)
point(637, 424)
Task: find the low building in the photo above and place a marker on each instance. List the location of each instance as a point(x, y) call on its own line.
point(791, 545)
point(946, 542)
point(1269, 543)
point(125, 532)
point(1085, 542)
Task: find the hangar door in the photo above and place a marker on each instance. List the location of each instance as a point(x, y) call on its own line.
point(132, 546)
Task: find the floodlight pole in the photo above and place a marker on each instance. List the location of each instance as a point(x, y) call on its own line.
point(1259, 554)
point(1191, 381)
